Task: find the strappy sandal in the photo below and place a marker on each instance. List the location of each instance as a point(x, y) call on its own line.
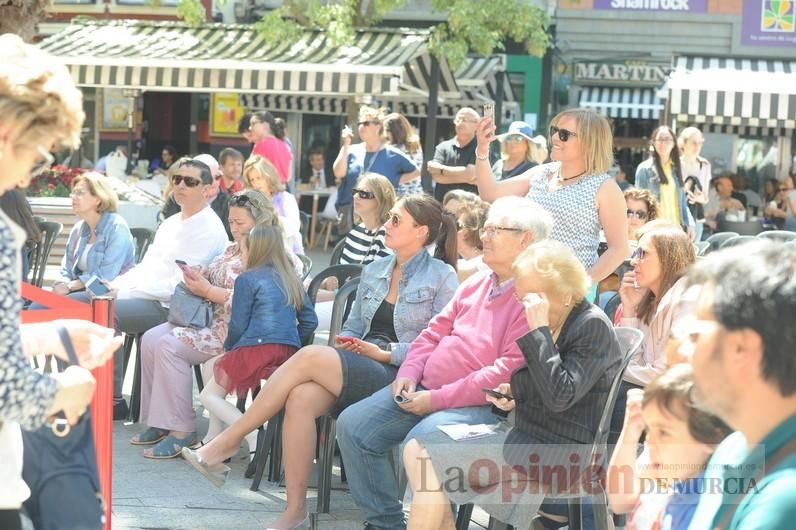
point(171, 447)
point(150, 436)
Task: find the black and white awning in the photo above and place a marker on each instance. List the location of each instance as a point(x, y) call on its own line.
point(172, 56)
point(622, 102)
point(733, 92)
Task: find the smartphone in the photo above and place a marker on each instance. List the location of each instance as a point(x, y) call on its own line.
point(96, 286)
point(496, 394)
point(185, 268)
point(400, 399)
point(489, 111)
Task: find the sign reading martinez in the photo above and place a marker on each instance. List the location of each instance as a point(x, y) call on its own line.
point(692, 6)
point(621, 73)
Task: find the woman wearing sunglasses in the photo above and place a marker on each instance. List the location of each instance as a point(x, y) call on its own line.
point(642, 207)
point(517, 151)
point(662, 174)
point(396, 298)
point(651, 294)
point(575, 188)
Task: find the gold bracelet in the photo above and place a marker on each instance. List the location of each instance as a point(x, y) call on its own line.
point(485, 157)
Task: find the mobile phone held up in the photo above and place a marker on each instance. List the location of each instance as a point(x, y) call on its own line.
point(496, 394)
point(96, 286)
point(489, 111)
point(185, 268)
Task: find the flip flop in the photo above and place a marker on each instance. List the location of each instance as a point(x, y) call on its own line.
point(150, 436)
point(171, 446)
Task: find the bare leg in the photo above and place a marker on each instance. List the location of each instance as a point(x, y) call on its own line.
point(305, 403)
point(317, 364)
point(213, 397)
point(430, 506)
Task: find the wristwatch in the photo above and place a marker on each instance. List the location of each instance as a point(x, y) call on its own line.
point(485, 157)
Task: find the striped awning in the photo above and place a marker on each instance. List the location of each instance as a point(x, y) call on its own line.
point(621, 102)
point(172, 56)
point(475, 92)
point(734, 92)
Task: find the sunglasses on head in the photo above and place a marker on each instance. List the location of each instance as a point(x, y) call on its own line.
point(363, 194)
point(640, 214)
point(563, 134)
point(191, 182)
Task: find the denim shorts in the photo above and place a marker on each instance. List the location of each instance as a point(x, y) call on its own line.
point(362, 376)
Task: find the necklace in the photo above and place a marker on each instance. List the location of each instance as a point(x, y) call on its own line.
point(561, 179)
point(372, 160)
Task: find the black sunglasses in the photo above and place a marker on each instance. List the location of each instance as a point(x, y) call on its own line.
point(363, 194)
point(563, 134)
point(189, 181)
point(640, 214)
point(368, 122)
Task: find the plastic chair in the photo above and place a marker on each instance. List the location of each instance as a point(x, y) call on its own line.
point(50, 230)
point(702, 247)
point(343, 273)
point(738, 240)
point(743, 228)
point(307, 265)
point(630, 341)
point(717, 239)
point(337, 252)
point(778, 235)
point(142, 238)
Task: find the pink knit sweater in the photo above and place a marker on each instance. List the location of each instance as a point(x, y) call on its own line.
point(469, 345)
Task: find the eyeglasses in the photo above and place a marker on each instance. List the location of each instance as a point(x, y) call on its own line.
point(46, 161)
point(491, 231)
point(368, 122)
point(516, 138)
point(363, 194)
point(639, 254)
point(640, 214)
point(563, 134)
point(78, 193)
point(190, 182)
point(463, 120)
point(395, 220)
point(253, 123)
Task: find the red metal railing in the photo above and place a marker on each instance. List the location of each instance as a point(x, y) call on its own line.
point(100, 310)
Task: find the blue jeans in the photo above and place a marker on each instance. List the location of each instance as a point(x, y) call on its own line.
point(367, 432)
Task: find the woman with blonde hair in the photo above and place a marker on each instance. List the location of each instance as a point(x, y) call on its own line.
point(696, 175)
point(642, 207)
point(401, 135)
point(575, 188)
point(100, 244)
point(40, 110)
point(517, 151)
point(261, 175)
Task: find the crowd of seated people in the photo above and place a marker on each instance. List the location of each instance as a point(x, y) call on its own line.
point(477, 313)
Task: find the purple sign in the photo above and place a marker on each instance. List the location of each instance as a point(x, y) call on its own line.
point(676, 6)
point(769, 23)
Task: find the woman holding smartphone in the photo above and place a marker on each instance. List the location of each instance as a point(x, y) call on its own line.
point(396, 298)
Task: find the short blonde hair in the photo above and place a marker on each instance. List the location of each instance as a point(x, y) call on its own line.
point(265, 168)
point(98, 186)
point(383, 191)
point(557, 266)
point(38, 98)
point(595, 135)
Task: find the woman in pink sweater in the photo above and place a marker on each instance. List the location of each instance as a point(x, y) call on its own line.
point(469, 345)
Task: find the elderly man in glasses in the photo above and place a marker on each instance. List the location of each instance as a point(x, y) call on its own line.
point(196, 235)
point(453, 166)
point(468, 346)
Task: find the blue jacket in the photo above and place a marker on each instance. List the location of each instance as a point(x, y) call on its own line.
point(111, 255)
point(647, 178)
point(260, 314)
point(427, 285)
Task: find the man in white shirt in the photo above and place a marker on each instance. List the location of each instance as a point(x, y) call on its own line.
point(195, 236)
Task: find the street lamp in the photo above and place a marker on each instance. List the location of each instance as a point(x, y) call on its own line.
point(131, 94)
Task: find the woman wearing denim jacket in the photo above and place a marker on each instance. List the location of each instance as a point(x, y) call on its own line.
point(100, 244)
point(662, 175)
point(397, 297)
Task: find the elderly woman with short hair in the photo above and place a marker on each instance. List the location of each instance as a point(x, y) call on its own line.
point(571, 356)
point(100, 244)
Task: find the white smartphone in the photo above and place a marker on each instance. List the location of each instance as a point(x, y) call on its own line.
point(96, 286)
point(489, 111)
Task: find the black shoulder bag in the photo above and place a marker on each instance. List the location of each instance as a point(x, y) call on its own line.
point(60, 468)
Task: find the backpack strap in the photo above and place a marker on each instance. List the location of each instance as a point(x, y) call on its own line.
point(779, 455)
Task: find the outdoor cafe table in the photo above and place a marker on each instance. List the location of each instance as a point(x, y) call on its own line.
point(316, 194)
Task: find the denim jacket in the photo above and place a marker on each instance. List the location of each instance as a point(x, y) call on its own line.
point(647, 178)
point(111, 255)
point(427, 285)
point(261, 316)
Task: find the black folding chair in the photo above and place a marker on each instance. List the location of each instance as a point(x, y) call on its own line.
point(142, 238)
point(50, 230)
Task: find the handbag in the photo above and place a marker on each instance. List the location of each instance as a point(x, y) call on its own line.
point(60, 468)
point(188, 310)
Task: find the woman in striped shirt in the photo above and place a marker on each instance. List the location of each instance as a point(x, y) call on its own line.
point(374, 196)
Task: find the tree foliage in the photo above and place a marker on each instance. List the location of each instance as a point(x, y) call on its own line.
point(478, 26)
point(22, 16)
